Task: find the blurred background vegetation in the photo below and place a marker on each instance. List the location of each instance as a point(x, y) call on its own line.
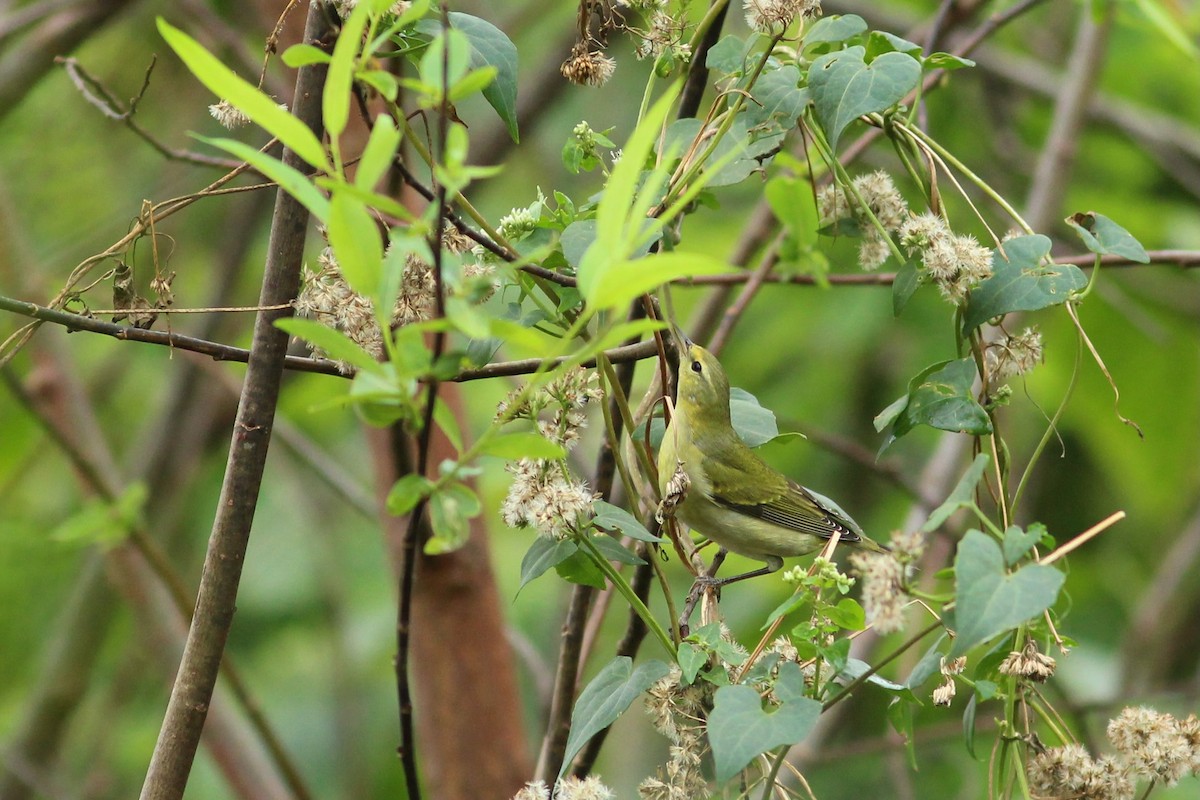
point(314, 636)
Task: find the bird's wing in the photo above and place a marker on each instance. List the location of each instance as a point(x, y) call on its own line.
point(773, 498)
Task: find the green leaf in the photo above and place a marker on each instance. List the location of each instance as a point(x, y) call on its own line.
point(447, 423)
point(754, 424)
point(522, 445)
point(794, 204)
point(619, 283)
point(929, 665)
point(1104, 237)
point(855, 668)
point(691, 660)
point(969, 725)
point(940, 397)
point(843, 87)
point(302, 55)
point(378, 154)
point(450, 48)
point(104, 523)
point(739, 729)
point(962, 496)
point(337, 345)
point(947, 61)
point(618, 225)
point(1022, 282)
point(490, 47)
point(908, 279)
point(407, 492)
point(728, 56)
point(606, 698)
point(543, 554)
point(580, 568)
point(290, 179)
point(900, 715)
point(355, 239)
point(778, 97)
point(1018, 542)
point(246, 97)
point(847, 614)
point(834, 28)
point(988, 600)
point(335, 102)
point(613, 518)
point(613, 550)
point(450, 511)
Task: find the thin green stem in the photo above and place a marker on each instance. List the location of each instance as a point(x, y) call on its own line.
point(983, 185)
point(773, 775)
point(622, 586)
point(1052, 427)
point(899, 651)
point(612, 388)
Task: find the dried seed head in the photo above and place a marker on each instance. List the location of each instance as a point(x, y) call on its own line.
point(1013, 355)
point(534, 790)
point(589, 788)
point(1029, 663)
point(676, 493)
point(943, 695)
point(587, 67)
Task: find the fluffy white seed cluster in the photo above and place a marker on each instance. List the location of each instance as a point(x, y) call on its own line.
point(884, 576)
point(544, 495)
point(678, 712)
point(880, 195)
point(230, 117)
point(664, 33)
point(1013, 355)
point(1150, 744)
point(589, 788)
point(1071, 772)
point(773, 16)
point(326, 296)
point(956, 263)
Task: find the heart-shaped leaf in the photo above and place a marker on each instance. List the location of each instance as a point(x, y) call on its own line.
point(844, 87)
point(1104, 237)
point(606, 698)
point(940, 397)
point(739, 729)
point(1021, 282)
point(990, 601)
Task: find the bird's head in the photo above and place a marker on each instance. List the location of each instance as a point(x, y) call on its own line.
point(703, 385)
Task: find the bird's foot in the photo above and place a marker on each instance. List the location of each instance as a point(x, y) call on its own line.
point(702, 584)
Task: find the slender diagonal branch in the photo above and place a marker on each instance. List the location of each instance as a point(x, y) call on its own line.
point(179, 736)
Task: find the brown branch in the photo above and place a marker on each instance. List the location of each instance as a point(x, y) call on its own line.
point(179, 736)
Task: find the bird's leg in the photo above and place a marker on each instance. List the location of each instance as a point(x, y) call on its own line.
point(774, 563)
point(705, 580)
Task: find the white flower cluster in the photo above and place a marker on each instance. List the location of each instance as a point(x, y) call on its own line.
point(326, 297)
point(883, 578)
point(956, 263)
point(879, 194)
point(678, 712)
point(1012, 355)
point(773, 16)
point(569, 788)
point(544, 495)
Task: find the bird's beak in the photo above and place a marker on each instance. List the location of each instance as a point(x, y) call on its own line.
point(679, 339)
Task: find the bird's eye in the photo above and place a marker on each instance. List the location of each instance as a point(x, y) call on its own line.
point(696, 366)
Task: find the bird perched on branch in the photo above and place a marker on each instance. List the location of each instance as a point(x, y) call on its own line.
point(721, 488)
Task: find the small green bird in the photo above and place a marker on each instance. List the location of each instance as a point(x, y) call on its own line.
point(734, 497)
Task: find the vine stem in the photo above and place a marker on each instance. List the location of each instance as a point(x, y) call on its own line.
point(626, 591)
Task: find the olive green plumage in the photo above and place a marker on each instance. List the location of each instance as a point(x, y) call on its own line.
point(735, 498)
